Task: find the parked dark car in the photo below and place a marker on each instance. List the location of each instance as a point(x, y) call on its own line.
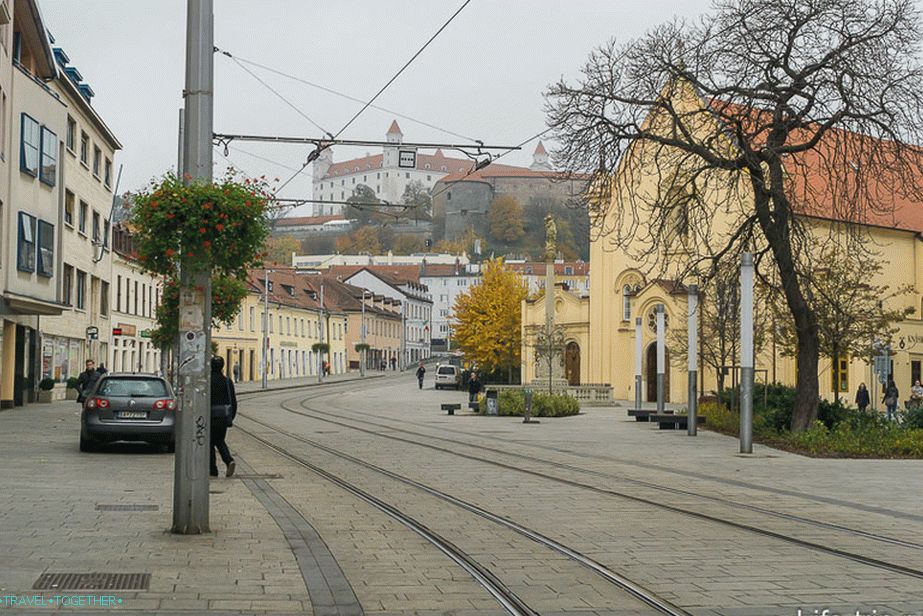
point(128, 407)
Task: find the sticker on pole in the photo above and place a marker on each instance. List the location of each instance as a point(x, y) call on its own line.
point(191, 310)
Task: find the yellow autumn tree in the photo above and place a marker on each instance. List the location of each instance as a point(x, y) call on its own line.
point(488, 318)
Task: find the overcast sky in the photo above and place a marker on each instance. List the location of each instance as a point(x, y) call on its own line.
point(483, 77)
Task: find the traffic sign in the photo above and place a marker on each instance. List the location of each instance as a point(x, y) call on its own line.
point(92, 333)
point(407, 159)
point(146, 333)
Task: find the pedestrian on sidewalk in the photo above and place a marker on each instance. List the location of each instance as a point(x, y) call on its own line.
point(890, 399)
point(86, 380)
point(223, 412)
point(421, 371)
point(474, 387)
point(862, 397)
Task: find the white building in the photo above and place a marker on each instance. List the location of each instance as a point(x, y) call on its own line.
point(384, 173)
point(323, 262)
point(88, 183)
point(445, 283)
point(416, 306)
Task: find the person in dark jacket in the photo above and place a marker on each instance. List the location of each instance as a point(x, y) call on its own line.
point(474, 387)
point(86, 380)
point(862, 397)
point(890, 399)
point(421, 372)
point(222, 393)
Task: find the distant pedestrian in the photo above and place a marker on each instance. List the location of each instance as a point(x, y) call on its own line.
point(102, 369)
point(890, 399)
point(223, 413)
point(474, 387)
point(86, 380)
point(237, 373)
point(862, 397)
point(421, 371)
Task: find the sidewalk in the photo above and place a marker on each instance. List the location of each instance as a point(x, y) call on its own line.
point(309, 381)
point(110, 512)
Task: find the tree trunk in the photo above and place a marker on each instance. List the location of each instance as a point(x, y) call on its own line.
point(774, 214)
point(836, 376)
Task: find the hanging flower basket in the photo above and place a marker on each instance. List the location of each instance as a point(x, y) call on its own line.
point(218, 226)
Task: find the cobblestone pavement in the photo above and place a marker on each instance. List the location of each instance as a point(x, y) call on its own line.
point(284, 540)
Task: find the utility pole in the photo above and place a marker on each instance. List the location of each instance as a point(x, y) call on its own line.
point(190, 490)
point(638, 347)
point(265, 326)
point(661, 358)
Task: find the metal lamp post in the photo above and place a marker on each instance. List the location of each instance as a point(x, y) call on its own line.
point(638, 354)
point(693, 354)
point(746, 353)
point(661, 358)
point(363, 355)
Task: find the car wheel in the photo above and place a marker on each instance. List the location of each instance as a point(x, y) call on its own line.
point(86, 444)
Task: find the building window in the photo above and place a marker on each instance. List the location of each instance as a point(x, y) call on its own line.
point(68, 284)
point(448, 196)
point(107, 173)
point(82, 219)
point(135, 302)
point(68, 208)
point(118, 294)
point(97, 156)
point(31, 142)
point(71, 136)
point(252, 319)
point(2, 115)
point(96, 227)
point(84, 149)
point(626, 302)
point(839, 380)
point(25, 261)
point(45, 249)
point(104, 299)
point(81, 289)
point(49, 166)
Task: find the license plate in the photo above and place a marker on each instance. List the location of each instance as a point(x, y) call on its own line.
point(132, 415)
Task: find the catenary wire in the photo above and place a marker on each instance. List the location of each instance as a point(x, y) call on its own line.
point(310, 159)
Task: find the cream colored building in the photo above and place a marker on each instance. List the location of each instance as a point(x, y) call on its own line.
point(33, 123)
point(572, 312)
point(296, 324)
point(85, 329)
point(623, 288)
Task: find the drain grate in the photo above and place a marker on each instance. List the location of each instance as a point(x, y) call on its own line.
point(93, 581)
point(101, 507)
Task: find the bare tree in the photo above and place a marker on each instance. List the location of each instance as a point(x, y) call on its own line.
point(768, 126)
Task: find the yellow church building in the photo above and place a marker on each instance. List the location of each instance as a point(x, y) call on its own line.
point(627, 282)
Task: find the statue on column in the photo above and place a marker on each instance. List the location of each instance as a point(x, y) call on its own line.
point(551, 236)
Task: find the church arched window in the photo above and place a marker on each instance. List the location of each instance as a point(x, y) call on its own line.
point(626, 302)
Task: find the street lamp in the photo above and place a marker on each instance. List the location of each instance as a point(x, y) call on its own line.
point(363, 356)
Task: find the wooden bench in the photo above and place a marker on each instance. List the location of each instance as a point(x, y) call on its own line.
point(675, 422)
point(451, 408)
point(643, 414)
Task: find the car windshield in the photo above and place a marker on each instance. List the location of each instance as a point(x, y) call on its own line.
point(132, 388)
point(446, 370)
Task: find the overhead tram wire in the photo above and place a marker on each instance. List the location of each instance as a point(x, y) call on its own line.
point(349, 97)
point(311, 157)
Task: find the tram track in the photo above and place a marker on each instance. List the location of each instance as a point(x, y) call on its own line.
point(327, 417)
point(620, 581)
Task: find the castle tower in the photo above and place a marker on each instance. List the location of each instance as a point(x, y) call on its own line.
point(396, 137)
point(540, 159)
point(322, 164)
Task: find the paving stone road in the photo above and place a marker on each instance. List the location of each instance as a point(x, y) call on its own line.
point(286, 541)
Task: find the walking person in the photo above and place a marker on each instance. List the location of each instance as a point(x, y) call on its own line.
point(421, 371)
point(223, 412)
point(86, 380)
point(862, 397)
point(474, 387)
point(890, 399)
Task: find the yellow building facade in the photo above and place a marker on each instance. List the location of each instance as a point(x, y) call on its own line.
point(625, 286)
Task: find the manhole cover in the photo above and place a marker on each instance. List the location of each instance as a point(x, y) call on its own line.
point(93, 581)
point(100, 507)
point(256, 476)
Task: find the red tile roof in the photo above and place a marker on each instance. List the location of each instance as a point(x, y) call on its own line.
point(394, 128)
point(580, 268)
point(497, 170)
point(540, 149)
point(425, 162)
